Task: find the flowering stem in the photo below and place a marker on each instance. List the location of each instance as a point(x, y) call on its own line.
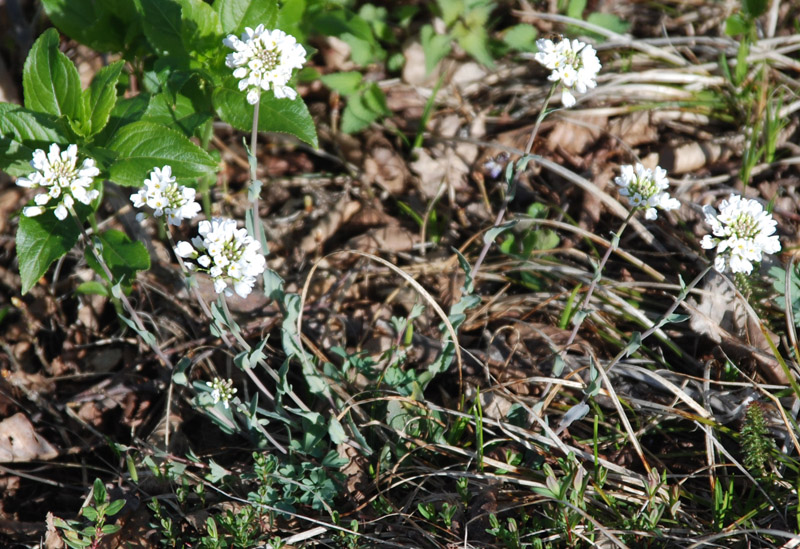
point(253, 181)
point(125, 302)
point(597, 275)
point(502, 212)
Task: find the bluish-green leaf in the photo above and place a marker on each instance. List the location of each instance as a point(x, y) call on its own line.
point(161, 21)
point(275, 115)
point(40, 241)
point(235, 15)
point(143, 146)
point(50, 80)
point(100, 98)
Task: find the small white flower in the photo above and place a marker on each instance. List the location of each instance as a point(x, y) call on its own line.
point(264, 60)
point(163, 194)
point(646, 188)
point(228, 254)
point(574, 64)
point(222, 390)
point(741, 232)
point(57, 171)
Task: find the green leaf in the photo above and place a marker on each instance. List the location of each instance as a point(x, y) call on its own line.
point(475, 41)
point(451, 10)
point(201, 28)
point(99, 25)
point(115, 507)
point(435, 46)
point(345, 83)
point(124, 112)
point(90, 513)
point(357, 115)
point(179, 113)
point(609, 21)
point(100, 98)
point(122, 257)
point(754, 8)
point(22, 131)
point(40, 241)
point(111, 528)
point(521, 38)
point(50, 80)
point(275, 115)
point(99, 491)
point(235, 15)
point(92, 287)
point(143, 146)
point(162, 25)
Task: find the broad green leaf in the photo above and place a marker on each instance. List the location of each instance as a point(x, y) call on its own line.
point(143, 146)
point(50, 80)
point(180, 114)
point(122, 256)
point(40, 241)
point(355, 31)
point(451, 10)
point(435, 46)
point(162, 25)
point(275, 115)
point(235, 15)
point(521, 38)
point(346, 83)
point(290, 18)
point(125, 112)
point(737, 24)
point(21, 132)
point(100, 98)
point(99, 25)
point(115, 507)
point(754, 8)
point(201, 28)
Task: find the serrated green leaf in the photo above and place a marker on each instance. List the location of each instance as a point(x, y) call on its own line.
point(50, 80)
point(345, 83)
point(274, 115)
point(21, 132)
point(201, 28)
point(375, 100)
point(40, 241)
point(100, 98)
point(179, 113)
point(475, 41)
point(451, 10)
point(122, 256)
point(125, 111)
point(162, 25)
point(99, 25)
point(235, 15)
point(143, 146)
point(435, 46)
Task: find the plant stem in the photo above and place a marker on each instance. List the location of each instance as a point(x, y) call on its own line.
point(255, 197)
point(597, 275)
point(125, 302)
point(502, 212)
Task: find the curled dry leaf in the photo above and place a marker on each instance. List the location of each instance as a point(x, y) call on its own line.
point(19, 441)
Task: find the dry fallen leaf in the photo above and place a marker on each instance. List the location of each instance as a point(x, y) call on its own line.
point(19, 441)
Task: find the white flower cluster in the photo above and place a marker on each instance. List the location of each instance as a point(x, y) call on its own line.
point(222, 390)
point(574, 64)
point(742, 233)
point(162, 193)
point(227, 254)
point(645, 188)
point(66, 183)
point(264, 59)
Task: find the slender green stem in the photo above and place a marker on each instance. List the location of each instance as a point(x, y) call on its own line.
point(598, 274)
point(125, 301)
point(502, 212)
point(253, 177)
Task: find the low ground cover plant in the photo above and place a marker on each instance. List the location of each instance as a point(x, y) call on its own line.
point(341, 275)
